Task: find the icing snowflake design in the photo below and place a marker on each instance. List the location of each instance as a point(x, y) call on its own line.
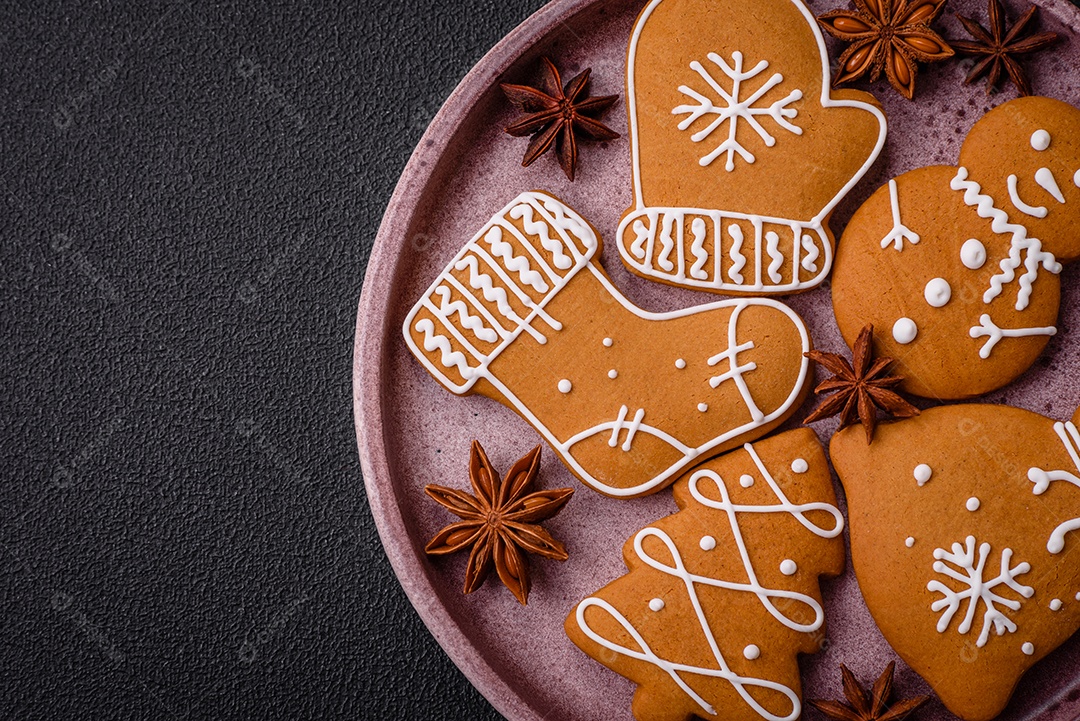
point(732, 107)
point(964, 566)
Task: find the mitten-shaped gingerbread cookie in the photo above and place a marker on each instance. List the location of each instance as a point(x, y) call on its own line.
point(722, 596)
point(960, 263)
point(627, 398)
point(740, 150)
point(962, 521)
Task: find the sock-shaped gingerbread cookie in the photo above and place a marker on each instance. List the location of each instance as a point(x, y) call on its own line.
point(628, 399)
point(959, 264)
point(964, 534)
point(740, 150)
point(721, 597)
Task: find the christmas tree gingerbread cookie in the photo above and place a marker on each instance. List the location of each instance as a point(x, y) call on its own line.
point(958, 266)
point(740, 150)
point(628, 399)
point(962, 522)
point(721, 597)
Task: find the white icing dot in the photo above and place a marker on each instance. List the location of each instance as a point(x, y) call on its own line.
point(1028, 648)
point(973, 504)
point(708, 543)
point(657, 604)
point(680, 364)
point(751, 652)
point(923, 473)
point(608, 342)
point(1076, 179)
point(746, 481)
point(938, 293)
point(788, 567)
point(1055, 605)
point(799, 465)
point(910, 541)
point(1078, 597)
point(703, 407)
point(565, 386)
point(613, 374)
point(973, 254)
point(1040, 140)
point(904, 331)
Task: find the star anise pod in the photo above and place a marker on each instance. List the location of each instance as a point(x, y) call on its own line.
point(869, 707)
point(861, 389)
point(887, 35)
point(555, 116)
point(999, 45)
point(499, 521)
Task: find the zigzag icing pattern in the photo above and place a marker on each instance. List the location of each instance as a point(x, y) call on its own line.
point(698, 249)
point(467, 319)
point(563, 218)
point(666, 244)
point(1021, 243)
point(738, 260)
point(482, 281)
point(450, 357)
point(772, 247)
point(524, 213)
point(809, 260)
point(519, 264)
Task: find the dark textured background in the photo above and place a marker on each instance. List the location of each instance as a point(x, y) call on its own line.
point(189, 195)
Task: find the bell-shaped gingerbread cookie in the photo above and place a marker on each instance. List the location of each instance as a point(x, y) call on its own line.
point(963, 525)
point(740, 149)
point(960, 264)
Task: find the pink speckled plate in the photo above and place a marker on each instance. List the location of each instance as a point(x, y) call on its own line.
point(412, 432)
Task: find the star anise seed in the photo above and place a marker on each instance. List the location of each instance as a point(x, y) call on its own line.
point(860, 388)
point(555, 116)
point(499, 521)
point(887, 36)
point(869, 707)
point(998, 46)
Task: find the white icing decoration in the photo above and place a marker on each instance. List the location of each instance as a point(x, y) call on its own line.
point(1031, 248)
point(977, 588)
point(1014, 195)
point(751, 653)
point(552, 224)
point(788, 567)
point(676, 568)
point(1040, 140)
point(1048, 182)
point(1028, 648)
point(608, 342)
point(638, 228)
point(1070, 438)
point(1055, 604)
point(708, 543)
point(613, 374)
point(699, 229)
point(923, 473)
point(987, 328)
point(899, 232)
point(519, 264)
point(746, 480)
point(772, 247)
point(656, 605)
point(938, 293)
point(734, 107)
point(799, 465)
point(973, 254)
point(904, 331)
point(680, 363)
point(667, 243)
point(565, 386)
point(810, 248)
point(474, 323)
point(1076, 178)
point(910, 541)
point(1078, 596)
point(703, 407)
point(973, 504)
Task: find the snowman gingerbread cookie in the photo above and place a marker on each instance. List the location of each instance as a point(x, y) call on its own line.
point(628, 399)
point(960, 264)
point(964, 524)
point(740, 150)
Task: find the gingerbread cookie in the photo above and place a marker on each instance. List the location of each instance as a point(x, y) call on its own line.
point(722, 596)
point(962, 520)
point(628, 399)
point(740, 150)
point(958, 267)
